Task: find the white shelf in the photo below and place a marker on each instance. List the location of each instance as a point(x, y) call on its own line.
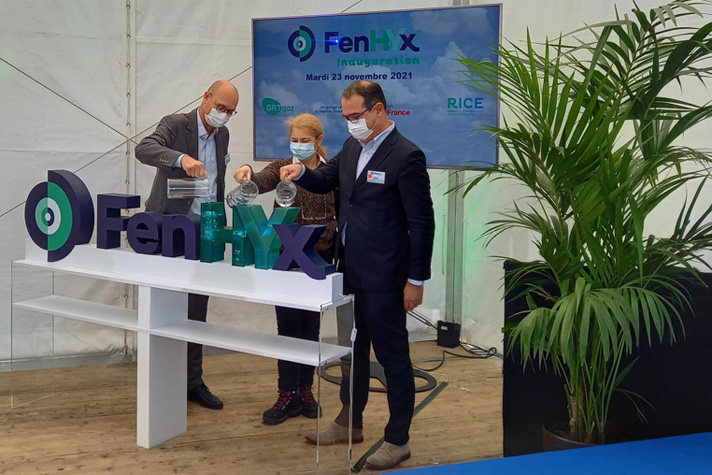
point(229, 338)
point(163, 284)
point(82, 310)
point(261, 344)
point(221, 279)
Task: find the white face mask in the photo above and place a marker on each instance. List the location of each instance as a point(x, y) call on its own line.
point(359, 130)
point(216, 118)
point(302, 151)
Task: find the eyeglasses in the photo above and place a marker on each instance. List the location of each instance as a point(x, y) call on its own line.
point(353, 118)
point(221, 108)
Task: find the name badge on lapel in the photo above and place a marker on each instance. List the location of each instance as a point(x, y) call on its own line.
point(376, 177)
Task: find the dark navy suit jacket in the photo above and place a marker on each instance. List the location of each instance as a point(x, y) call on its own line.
point(389, 227)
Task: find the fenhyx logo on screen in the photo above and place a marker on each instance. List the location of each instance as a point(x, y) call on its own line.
point(302, 43)
point(59, 214)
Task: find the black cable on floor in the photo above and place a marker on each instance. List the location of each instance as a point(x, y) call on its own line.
point(477, 352)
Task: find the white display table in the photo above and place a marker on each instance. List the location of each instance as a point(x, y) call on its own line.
point(163, 326)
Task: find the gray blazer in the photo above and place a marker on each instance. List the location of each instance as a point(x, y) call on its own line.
point(175, 135)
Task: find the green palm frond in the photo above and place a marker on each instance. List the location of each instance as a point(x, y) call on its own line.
point(593, 133)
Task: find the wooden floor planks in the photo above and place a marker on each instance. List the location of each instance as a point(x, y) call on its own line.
point(87, 425)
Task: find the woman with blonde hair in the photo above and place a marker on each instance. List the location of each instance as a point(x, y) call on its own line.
point(296, 380)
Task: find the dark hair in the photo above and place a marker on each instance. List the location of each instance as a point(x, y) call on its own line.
point(370, 91)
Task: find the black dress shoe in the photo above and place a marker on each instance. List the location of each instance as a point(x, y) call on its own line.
point(202, 395)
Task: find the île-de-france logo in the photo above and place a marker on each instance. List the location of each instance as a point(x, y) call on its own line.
point(59, 214)
point(302, 43)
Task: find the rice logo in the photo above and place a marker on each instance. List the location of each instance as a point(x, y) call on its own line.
point(273, 107)
point(59, 214)
point(302, 43)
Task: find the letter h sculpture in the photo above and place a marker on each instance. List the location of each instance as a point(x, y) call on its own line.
point(252, 236)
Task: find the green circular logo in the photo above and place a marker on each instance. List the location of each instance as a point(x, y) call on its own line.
point(301, 43)
point(53, 216)
point(59, 214)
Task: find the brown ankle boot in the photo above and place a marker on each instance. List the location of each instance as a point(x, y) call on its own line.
point(388, 456)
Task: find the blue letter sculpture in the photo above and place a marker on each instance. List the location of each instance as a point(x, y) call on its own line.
point(252, 236)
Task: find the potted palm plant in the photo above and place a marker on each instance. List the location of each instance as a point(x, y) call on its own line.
point(592, 129)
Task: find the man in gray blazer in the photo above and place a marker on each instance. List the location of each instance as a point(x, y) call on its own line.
point(192, 145)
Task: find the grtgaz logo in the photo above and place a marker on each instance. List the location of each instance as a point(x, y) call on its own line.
point(273, 107)
point(302, 43)
point(59, 214)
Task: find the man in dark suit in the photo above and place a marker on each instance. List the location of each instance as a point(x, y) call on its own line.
point(387, 228)
point(192, 145)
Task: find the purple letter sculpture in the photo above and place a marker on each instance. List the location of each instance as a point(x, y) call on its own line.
point(144, 232)
point(109, 222)
point(180, 236)
point(299, 250)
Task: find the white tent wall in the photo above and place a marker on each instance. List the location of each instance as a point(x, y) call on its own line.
point(70, 102)
point(80, 77)
point(63, 96)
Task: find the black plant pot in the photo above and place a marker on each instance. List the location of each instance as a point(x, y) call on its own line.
point(534, 396)
point(553, 439)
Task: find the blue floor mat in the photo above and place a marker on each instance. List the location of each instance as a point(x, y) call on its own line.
point(688, 454)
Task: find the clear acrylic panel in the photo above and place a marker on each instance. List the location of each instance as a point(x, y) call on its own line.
point(338, 458)
point(31, 339)
point(53, 355)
